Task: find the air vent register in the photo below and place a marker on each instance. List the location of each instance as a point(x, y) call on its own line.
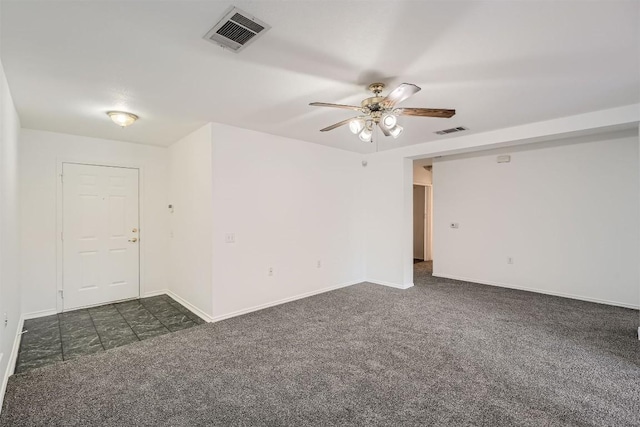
point(236, 30)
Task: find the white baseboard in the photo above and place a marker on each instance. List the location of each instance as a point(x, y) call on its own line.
point(13, 358)
point(282, 301)
point(190, 306)
point(184, 302)
point(41, 313)
point(155, 293)
point(539, 291)
point(389, 284)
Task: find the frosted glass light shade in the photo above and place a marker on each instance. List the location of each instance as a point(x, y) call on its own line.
point(365, 135)
point(389, 121)
point(356, 126)
point(396, 131)
point(121, 118)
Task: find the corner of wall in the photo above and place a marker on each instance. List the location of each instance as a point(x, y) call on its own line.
point(190, 193)
point(9, 236)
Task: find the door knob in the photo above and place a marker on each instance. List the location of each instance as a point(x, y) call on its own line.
point(135, 239)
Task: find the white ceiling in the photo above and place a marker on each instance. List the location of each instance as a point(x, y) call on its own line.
point(499, 63)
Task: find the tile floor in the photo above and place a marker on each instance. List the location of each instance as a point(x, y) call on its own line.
point(76, 333)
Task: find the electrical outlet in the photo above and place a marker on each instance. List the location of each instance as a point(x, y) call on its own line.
point(509, 260)
point(270, 272)
point(230, 238)
point(319, 264)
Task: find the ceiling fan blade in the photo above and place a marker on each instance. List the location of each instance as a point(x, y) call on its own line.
point(425, 112)
point(399, 94)
point(346, 107)
point(336, 125)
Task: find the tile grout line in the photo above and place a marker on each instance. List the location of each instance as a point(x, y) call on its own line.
point(189, 314)
point(19, 360)
point(97, 333)
point(175, 304)
point(152, 314)
point(60, 332)
point(127, 322)
point(157, 318)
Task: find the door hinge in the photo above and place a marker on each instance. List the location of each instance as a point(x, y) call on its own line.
point(62, 178)
point(61, 293)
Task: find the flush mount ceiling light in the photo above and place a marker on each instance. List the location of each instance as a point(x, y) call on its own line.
point(122, 118)
point(381, 111)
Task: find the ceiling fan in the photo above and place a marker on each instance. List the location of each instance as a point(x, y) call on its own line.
point(382, 111)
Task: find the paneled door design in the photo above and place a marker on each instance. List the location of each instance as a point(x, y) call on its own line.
point(100, 234)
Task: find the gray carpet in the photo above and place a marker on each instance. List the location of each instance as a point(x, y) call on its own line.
point(441, 353)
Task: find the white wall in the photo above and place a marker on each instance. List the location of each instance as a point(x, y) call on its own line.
point(387, 193)
point(290, 204)
point(9, 224)
point(388, 181)
point(39, 155)
point(190, 192)
point(568, 215)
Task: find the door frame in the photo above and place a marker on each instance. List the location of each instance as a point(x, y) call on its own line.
point(428, 221)
point(421, 188)
point(59, 221)
point(428, 199)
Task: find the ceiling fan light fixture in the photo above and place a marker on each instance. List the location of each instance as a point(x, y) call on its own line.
point(389, 121)
point(365, 135)
point(121, 118)
point(396, 131)
point(381, 111)
point(356, 126)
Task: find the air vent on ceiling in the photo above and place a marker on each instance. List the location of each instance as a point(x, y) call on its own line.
point(236, 30)
point(452, 130)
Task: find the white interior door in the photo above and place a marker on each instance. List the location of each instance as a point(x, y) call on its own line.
point(100, 235)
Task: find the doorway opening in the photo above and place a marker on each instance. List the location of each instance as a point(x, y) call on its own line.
point(423, 213)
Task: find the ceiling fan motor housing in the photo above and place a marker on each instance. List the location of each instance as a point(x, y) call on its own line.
point(376, 88)
point(372, 107)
